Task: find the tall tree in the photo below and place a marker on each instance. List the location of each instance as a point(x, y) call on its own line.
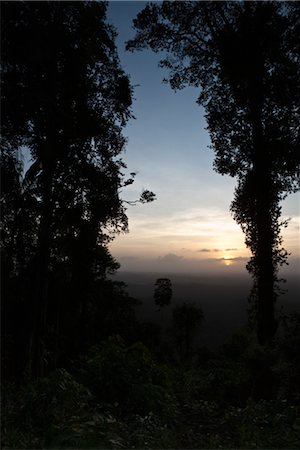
point(66, 98)
point(163, 292)
point(244, 56)
point(187, 318)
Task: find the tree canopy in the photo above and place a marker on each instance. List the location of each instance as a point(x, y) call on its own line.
point(65, 102)
point(244, 57)
point(78, 369)
point(163, 292)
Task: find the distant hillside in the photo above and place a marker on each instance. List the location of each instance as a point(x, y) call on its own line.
point(223, 300)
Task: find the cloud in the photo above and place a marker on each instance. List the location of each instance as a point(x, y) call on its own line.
point(170, 258)
point(207, 250)
point(237, 258)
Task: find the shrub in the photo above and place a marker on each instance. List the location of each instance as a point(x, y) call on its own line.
point(54, 412)
point(128, 379)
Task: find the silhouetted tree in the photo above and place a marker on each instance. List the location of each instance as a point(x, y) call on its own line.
point(163, 292)
point(19, 225)
point(187, 318)
point(245, 58)
point(66, 98)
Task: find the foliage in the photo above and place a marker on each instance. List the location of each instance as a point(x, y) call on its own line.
point(244, 58)
point(44, 410)
point(66, 98)
point(186, 319)
point(265, 425)
point(163, 292)
point(126, 401)
point(120, 397)
point(149, 431)
point(128, 379)
point(65, 102)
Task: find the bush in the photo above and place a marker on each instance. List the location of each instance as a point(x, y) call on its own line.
point(149, 432)
point(265, 424)
point(54, 412)
point(128, 379)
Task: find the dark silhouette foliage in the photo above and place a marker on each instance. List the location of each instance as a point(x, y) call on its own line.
point(163, 292)
point(244, 58)
point(65, 99)
point(78, 369)
point(187, 319)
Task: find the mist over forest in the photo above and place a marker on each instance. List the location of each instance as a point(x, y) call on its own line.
point(223, 299)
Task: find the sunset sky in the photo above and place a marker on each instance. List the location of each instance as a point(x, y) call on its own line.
point(189, 227)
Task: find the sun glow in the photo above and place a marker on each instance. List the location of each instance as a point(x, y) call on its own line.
point(227, 261)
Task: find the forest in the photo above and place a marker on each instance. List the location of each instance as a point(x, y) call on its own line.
point(79, 368)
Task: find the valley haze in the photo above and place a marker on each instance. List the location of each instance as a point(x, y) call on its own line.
point(223, 298)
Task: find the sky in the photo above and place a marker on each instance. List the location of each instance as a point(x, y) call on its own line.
point(189, 228)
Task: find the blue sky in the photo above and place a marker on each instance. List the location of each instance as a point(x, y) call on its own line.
point(189, 226)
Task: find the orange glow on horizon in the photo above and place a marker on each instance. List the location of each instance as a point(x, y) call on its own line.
point(227, 261)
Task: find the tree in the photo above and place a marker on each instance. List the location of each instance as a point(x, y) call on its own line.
point(244, 56)
point(187, 318)
point(18, 240)
point(163, 292)
point(66, 99)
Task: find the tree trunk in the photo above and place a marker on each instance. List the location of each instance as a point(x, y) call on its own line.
point(263, 197)
point(41, 277)
point(266, 326)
